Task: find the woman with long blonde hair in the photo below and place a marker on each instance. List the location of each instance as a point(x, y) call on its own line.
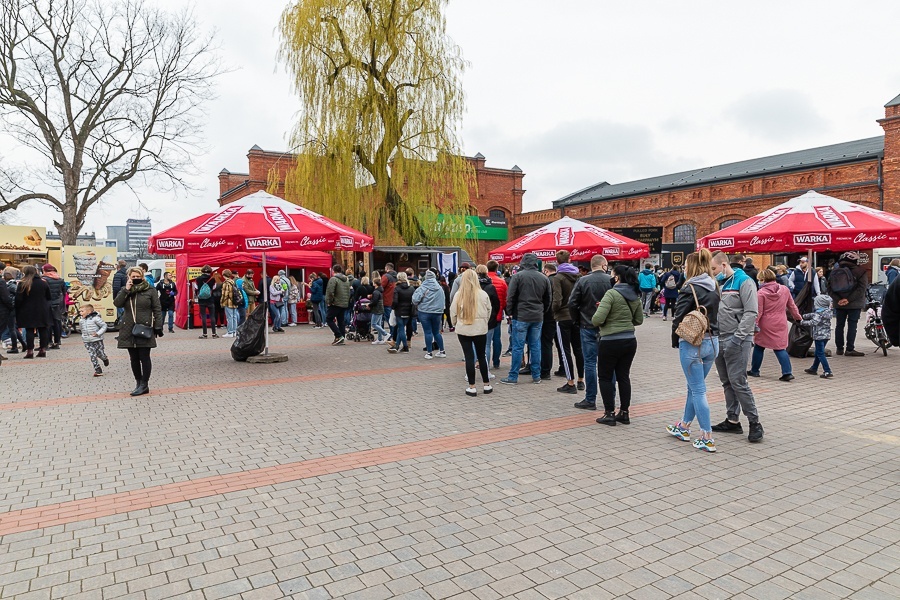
point(469, 314)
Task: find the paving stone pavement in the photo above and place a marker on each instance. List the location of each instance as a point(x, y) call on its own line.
point(352, 473)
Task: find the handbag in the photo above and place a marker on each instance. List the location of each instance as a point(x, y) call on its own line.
point(139, 330)
point(695, 324)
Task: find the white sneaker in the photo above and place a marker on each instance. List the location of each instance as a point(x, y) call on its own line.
point(491, 376)
point(428, 356)
point(440, 354)
point(292, 324)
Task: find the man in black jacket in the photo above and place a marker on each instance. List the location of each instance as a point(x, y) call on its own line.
point(119, 281)
point(527, 301)
point(583, 301)
point(848, 293)
point(57, 303)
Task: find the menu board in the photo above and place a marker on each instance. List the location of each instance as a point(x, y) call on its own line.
point(89, 272)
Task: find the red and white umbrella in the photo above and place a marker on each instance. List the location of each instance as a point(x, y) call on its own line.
point(581, 239)
point(259, 222)
point(810, 222)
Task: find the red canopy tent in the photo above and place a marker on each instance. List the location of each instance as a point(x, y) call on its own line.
point(581, 239)
point(809, 222)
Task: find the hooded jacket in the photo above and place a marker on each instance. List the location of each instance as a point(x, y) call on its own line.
point(119, 281)
point(528, 297)
point(388, 283)
point(57, 293)
point(376, 306)
point(502, 287)
point(141, 304)
point(739, 306)
point(92, 327)
point(708, 295)
point(819, 320)
point(618, 313)
point(317, 290)
point(775, 301)
point(403, 295)
point(338, 291)
point(487, 284)
point(588, 291)
point(647, 280)
point(561, 288)
point(429, 296)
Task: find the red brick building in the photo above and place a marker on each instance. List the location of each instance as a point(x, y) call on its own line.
point(694, 203)
point(496, 198)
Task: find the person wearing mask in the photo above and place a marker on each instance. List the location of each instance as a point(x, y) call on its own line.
point(33, 311)
point(337, 297)
point(377, 308)
point(167, 292)
point(316, 298)
point(141, 304)
point(470, 313)
point(699, 290)
point(738, 310)
point(403, 310)
point(586, 295)
point(775, 301)
point(847, 285)
point(249, 288)
point(388, 281)
point(429, 298)
point(619, 312)
point(57, 304)
point(568, 336)
point(528, 300)
point(231, 299)
point(493, 347)
point(119, 281)
point(204, 296)
point(293, 298)
point(648, 285)
point(671, 283)
point(276, 303)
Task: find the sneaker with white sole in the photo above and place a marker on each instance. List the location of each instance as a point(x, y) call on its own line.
point(440, 354)
point(428, 356)
point(706, 445)
point(679, 432)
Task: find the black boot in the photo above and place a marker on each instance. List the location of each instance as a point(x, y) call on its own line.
point(608, 418)
point(141, 388)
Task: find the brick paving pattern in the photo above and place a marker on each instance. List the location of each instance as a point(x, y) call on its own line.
point(351, 473)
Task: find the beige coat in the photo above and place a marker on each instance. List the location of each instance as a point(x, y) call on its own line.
point(482, 313)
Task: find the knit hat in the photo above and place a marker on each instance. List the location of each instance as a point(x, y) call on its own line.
point(823, 301)
point(48, 268)
point(851, 256)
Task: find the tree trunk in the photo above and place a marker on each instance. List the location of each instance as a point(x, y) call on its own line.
point(70, 227)
point(399, 213)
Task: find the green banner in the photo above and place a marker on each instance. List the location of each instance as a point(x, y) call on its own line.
point(475, 226)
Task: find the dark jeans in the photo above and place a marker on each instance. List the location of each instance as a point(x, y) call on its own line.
point(850, 317)
point(334, 318)
point(208, 311)
point(316, 313)
point(472, 346)
point(140, 363)
point(614, 361)
point(568, 336)
point(56, 329)
point(14, 335)
point(548, 334)
point(820, 357)
point(43, 338)
point(431, 326)
point(400, 339)
point(669, 307)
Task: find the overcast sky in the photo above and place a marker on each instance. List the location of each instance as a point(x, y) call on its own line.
point(579, 91)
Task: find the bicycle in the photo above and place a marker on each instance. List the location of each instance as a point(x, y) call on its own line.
point(875, 332)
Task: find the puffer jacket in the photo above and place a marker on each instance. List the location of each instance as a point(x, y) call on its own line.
point(293, 294)
point(487, 285)
point(376, 307)
point(708, 295)
point(403, 300)
point(317, 291)
point(588, 291)
point(141, 304)
point(618, 313)
point(57, 296)
point(647, 280)
point(501, 286)
point(338, 291)
point(561, 286)
point(528, 297)
point(92, 327)
point(820, 320)
point(429, 296)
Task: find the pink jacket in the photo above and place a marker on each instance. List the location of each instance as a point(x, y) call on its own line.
point(774, 302)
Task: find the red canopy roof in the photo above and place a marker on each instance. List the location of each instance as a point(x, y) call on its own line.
point(809, 222)
point(259, 222)
point(581, 239)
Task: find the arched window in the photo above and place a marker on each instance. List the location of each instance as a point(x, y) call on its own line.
point(685, 234)
point(728, 223)
point(497, 215)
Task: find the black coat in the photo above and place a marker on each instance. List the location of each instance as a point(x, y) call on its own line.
point(491, 291)
point(57, 296)
point(167, 292)
point(6, 303)
point(147, 311)
point(403, 305)
point(119, 281)
point(890, 312)
point(33, 308)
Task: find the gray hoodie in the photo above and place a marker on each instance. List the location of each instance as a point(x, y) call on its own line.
point(739, 307)
point(429, 296)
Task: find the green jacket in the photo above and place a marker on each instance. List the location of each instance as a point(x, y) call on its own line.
point(615, 316)
point(338, 291)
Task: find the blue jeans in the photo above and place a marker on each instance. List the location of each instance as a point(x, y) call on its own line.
point(493, 341)
point(400, 333)
point(322, 311)
point(387, 320)
point(376, 326)
point(783, 357)
point(292, 307)
point(171, 313)
point(431, 326)
point(820, 357)
point(590, 348)
point(526, 333)
point(231, 319)
point(276, 315)
point(696, 363)
point(242, 314)
point(284, 314)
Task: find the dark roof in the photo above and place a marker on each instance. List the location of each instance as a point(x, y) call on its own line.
point(894, 102)
point(813, 157)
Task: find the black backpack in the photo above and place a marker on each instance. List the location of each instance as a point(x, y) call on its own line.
point(842, 280)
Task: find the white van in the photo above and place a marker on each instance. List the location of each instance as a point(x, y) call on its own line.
point(159, 267)
point(881, 258)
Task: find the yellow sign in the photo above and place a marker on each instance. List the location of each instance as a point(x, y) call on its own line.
point(19, 239)
point(89, 270)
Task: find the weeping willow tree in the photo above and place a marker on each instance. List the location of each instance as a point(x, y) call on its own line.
point(376, 138)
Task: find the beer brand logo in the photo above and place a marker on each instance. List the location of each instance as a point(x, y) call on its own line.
point(761, 241)
point(206, 243)
point(263, 243)
point(218, 219)
point(721, 243)
point(605, 235)
point(544, 253)
point(527, 239)
point(496, 257)
point(564, 236)
point(308, 241)
point(812, 238)
point(346, 241)
point(863, 238)
point(170, 244)
point(831, 218)
point(279, 220)
point(767, 220)
point(611, 251)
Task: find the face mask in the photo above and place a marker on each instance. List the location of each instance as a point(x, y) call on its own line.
point(720, 277)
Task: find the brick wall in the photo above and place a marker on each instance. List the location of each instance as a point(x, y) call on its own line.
point(891, 162)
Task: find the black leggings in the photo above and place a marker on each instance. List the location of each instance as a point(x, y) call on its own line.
point(43, 337)
point(208, 311)
point(669, 307)
point(472, 346)
point(140, 363)
point(56, 330)
point(615, 358)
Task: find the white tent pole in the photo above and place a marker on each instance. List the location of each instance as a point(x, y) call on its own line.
point(265, 303)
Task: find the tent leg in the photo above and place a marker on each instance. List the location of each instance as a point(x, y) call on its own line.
point(265, 303)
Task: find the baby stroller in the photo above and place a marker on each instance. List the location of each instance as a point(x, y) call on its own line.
point(361, 322)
